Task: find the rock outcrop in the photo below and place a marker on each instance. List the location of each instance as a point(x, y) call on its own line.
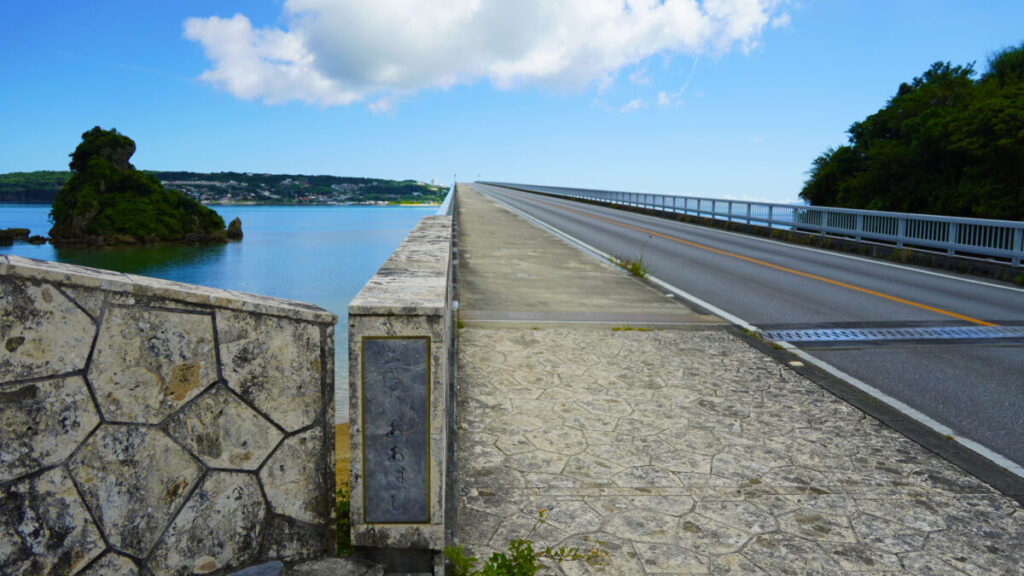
point(235, 229)
point(107, 201)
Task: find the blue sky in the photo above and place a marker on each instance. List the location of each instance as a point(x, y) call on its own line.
point(720, 98)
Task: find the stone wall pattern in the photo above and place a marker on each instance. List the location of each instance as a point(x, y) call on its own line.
point(151, 427)
point(408, 299)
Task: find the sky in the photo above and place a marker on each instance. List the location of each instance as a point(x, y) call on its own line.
point(712, 98)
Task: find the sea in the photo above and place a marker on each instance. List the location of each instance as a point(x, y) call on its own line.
point(322, 255)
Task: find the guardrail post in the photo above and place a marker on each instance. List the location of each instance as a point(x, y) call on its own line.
point(748, 213)
point(1018, 245)
point(901, 230)
point(951, 238)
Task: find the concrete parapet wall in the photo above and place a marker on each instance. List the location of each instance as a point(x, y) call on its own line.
point(400, 331)
point(153, 427)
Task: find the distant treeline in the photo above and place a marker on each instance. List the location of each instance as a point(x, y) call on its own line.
point(946, 143)
point(42, 187)
point(31, 187)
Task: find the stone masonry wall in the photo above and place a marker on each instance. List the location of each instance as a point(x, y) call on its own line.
point(398, 395)
point(153, 428)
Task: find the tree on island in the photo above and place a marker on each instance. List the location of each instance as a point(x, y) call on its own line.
point(108, 202)
point(944, 144)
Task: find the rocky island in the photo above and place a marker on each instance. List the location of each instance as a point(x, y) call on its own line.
point(108, 202)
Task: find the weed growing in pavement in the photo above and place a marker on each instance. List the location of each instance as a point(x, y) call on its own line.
point(342, 509)
point(628, 328)
point(520, 559)
point(635, 267)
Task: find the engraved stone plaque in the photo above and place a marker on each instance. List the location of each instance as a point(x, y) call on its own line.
point(396, 418)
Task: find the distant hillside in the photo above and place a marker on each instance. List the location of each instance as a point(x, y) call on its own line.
point(31, 187)
point(239, 187)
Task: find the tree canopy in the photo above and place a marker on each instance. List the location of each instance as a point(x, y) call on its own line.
point(946, 143)
point(107, 201)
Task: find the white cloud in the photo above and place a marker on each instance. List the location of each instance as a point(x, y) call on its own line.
point(631, 106)
point(781, 21)
point(332, 52)
point(640, 77)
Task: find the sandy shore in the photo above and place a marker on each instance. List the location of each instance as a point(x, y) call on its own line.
point(341, 454)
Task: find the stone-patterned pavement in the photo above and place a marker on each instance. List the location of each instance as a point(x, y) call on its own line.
point(689, 452)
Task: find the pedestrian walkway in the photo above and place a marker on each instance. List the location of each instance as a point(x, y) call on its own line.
point(682, 448)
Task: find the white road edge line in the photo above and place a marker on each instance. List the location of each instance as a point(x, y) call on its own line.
point(826, 252)
point(905, 409)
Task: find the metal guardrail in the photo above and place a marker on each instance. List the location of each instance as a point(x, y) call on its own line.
point(1001, 240)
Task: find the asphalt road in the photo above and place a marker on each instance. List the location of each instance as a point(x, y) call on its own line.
point(973, 386)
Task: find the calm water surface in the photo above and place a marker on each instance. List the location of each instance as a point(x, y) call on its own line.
point(317, 254)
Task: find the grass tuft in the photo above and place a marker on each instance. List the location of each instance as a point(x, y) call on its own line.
point(636, 267)
point(342, 509)
point(520, 559)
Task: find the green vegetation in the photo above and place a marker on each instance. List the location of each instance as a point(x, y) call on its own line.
point(628, 328)
point(944, 144)
point(31, 187)
point(244, 188)
point(520, 559)
point(107, 201)
point(635, 267)
point(342, 511)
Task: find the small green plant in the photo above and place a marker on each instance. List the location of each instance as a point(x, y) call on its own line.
point(1019, 280)
point(520, 559)
point(635, 267)
point(628, 328)
point(903, 255)
point(342, 509)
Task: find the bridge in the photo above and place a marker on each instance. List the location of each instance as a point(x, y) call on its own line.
point(944, 349)
point(750, 404)
point(734, 412)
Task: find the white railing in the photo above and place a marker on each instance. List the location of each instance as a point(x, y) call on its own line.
point(970, 237)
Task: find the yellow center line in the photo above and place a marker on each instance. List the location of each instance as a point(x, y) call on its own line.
point(779, 268)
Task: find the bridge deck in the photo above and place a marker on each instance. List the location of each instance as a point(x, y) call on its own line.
point(686, 450)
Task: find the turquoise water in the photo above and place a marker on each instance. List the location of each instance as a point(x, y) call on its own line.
point(317, 254)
